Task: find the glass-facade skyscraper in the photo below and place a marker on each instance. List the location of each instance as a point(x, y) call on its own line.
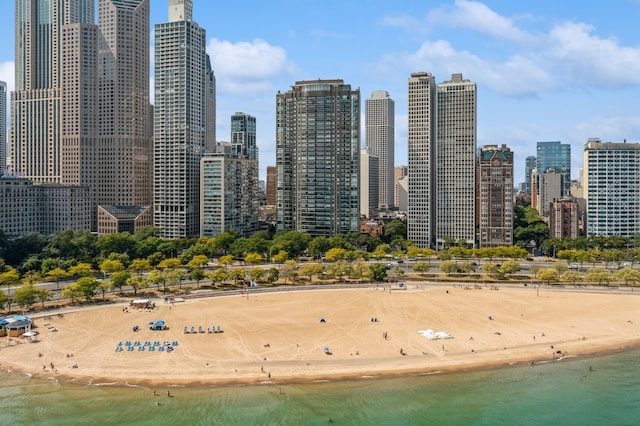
point(555, 155)
point(317, 157)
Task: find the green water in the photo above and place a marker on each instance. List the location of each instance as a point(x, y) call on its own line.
point(566, 392)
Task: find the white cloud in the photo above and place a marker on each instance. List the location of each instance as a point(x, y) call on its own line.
point(7, 71)
point(478, 17)
point(247, 67)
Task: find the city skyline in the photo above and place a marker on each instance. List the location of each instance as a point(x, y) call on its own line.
point(545, 71)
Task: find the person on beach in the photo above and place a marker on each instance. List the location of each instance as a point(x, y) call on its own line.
point(169, 394)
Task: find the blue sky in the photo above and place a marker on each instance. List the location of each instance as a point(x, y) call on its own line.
point(546, 70)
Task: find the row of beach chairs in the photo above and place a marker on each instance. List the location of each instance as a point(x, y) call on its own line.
point(137, 345)
point(200, 329)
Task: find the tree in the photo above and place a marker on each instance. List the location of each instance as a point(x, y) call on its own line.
point(309, 270)
point(598, 275)
point(339, 269)
point(253, 258)
point(109, 266)
point(226, 260)
point(121, 242)
point(43, 295)
point(548, 275)
point(119, 279)
point(237, 274)
point(9, 278)
point(288, 270)
point(140, 265)
point(335, 254)
point(510, 267)
point(491, 269)
point(3, 299)
point(395, 229)
point(81, 270)
point(198, 261)
point(87, 287)
point(571, 276)
point(217, 276)
point(421, 267)
point(628, 275)
point(196, 274)
point(273, 275)
point(378, 272)
point(257, 274)
point(103, 286)
point(26, 296)
point(72, 291)
point(56, 274)
point(170, 263)
point(448, 266)
point(281, 257)
point(137, 282)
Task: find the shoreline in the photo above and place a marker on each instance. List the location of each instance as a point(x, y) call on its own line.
point(276, 339)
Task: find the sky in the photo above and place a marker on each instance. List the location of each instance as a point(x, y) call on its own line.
point(546, 70)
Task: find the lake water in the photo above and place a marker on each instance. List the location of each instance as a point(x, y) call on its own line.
point(601, 390)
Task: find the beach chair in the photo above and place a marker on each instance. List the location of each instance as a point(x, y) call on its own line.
point(175, 343)
point(152, 348)
point(131, 348)
point(193, 329)
point(199, 329)
point(127, 343)
point(185, 330)
point(161, 348)
point(147, 343)
point(141, 348)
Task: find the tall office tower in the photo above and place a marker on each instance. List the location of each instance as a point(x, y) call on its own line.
point(456, 161)
point(179, 121)
point(318, 149)
point(35, 150)
point(530, 164)
point(369, 180)
point(495, 196)
point(210, 144)
point(243, 135)
point(612, 188)
point(555, 155)
point(549, 190)
point(3, 127)
point(125, 145)
point(380, 127)
point(272, 182)
point(399, 172)
point(421, 224)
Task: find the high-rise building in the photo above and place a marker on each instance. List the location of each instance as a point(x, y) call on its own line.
point(399, 172)
point(180, 121)
point(495, 196)
point(611, 187)
point(229, 184)
point(125, 144)
point(564, 219)
point(530, 164)
point(318, 149)
point(555, 155)
point(456, 161)
point(243, 135)
point(272, 182)
point(369, 180)
point(210, 145)
point(421, 223)
point(380, 128)
point(549, 190)
point(36, 113)
point(3, 127)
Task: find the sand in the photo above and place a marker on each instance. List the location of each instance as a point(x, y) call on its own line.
point(279, 338)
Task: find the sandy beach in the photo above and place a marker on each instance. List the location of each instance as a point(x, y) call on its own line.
point(280, 338)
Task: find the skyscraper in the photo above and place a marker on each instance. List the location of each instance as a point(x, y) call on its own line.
point(35, 148)
point(3, 127)
point(180, 121)
point(125, 144)
point(317, 144)
point(456, 161)
point(243, 135)
point(612, 188)
point(530, 164)
point(272, 179)
point(369, 180)
point(380, 128)
point(495, 196)
point(421, 222)
point(399, 173)
point(555, 155)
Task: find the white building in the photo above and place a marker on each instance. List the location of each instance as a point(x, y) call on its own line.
point(369, 180)
point(456, 161)
point(380, 128)
point(611, 184)
point(422, 159)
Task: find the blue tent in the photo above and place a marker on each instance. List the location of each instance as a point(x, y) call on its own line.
point(158, 325)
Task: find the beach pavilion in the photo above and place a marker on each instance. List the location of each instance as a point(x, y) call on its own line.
point(157, 325)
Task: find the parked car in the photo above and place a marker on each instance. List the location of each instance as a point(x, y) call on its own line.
point(574, 266)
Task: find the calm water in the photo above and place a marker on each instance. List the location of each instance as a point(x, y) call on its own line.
point(564, 392)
